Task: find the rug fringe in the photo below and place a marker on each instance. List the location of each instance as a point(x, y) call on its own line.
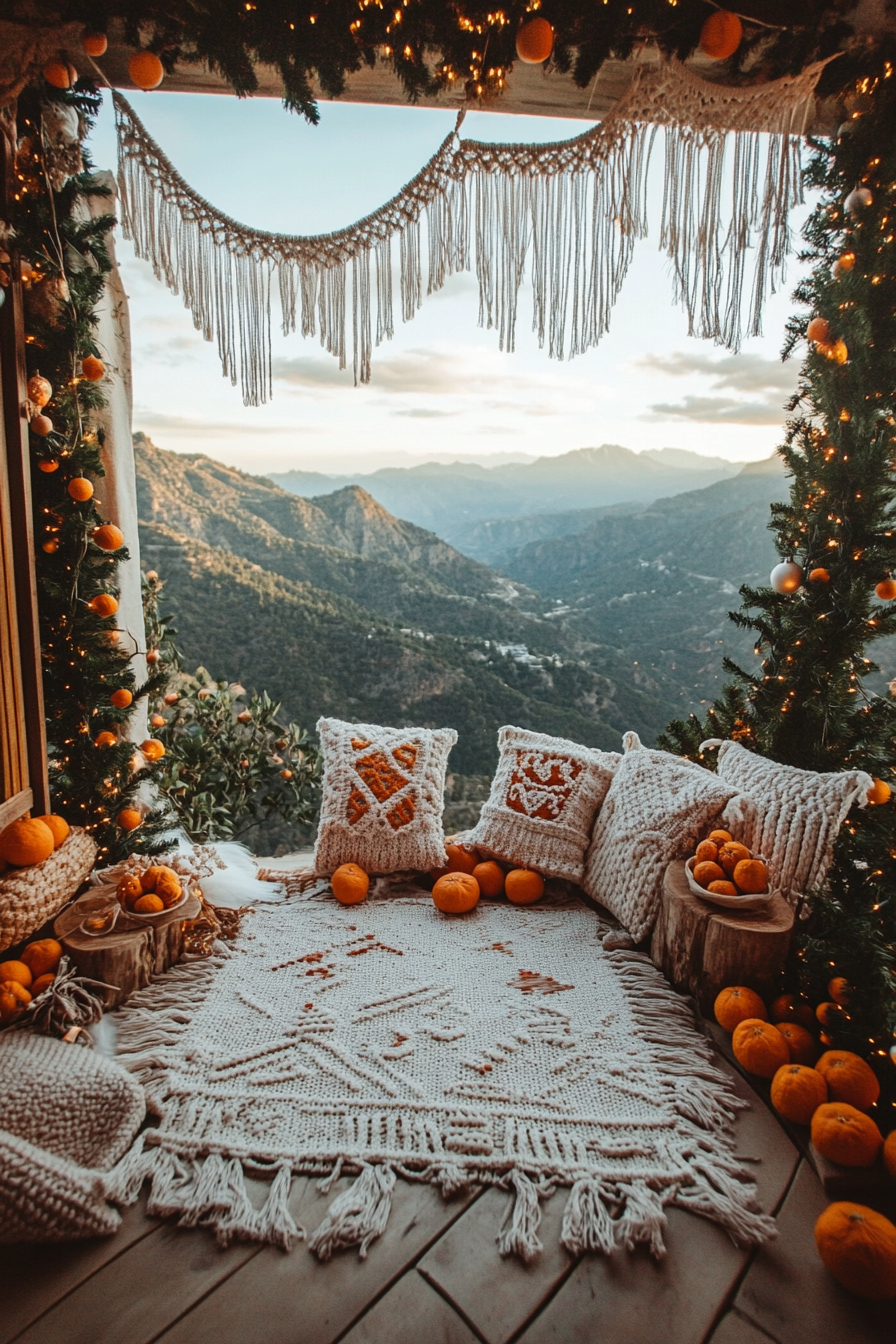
point(518, 1234)
point(358, 1216)
point(587, 1222)
point(213, 1194)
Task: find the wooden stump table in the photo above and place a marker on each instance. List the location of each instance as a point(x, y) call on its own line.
point(126, 958)
point(701, 948)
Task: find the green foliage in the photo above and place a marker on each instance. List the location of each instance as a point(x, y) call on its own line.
point(809, 703)
point(230, 764)
point(67, 262)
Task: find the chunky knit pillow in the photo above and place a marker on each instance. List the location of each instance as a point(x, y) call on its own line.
point(791, 816)
point(543, 801)
point(382, 797)
point(657, 808)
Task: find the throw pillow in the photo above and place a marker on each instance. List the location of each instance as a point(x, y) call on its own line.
point(543, 801)
point(46, 1198)
point(791, 816)
point(382, 797)
point(657, 807)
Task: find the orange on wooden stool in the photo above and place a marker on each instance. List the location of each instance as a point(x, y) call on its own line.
point(723, 888)
point(735, 1004)
point(350, 884)
point(522, 886)
point(708, 871)
point(759, 1047)
point(731, 855)
point(801, 1044)
point(751, 876)
point(706, 852)
point(720, 838)
point(490, 876)
point(845, 1135)
point(797, 1092)
point(858, 1246)
point(849, 1078)
point(456, 893)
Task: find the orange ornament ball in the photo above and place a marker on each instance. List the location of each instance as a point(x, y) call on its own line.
point(92, 369)
point(108, 537)
point(879, 792)
point(819, 575)
point(48, 465)
point(105, 739)
point(721, 35)
point(819, 331)
point(60, 74)
point(286, 774)
point(51, 546)
point(95, 44)
point(129, 819)
point(80, 489)
point(41, 425)
point(146, 70)
point(886, 589)
point(157, 721)
point(103, 605)
point(456, 893)
point(153, 749)
point(350, 884)
point(121, 698)
point(535, 41)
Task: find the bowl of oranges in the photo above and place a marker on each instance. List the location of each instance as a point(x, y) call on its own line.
point(150, 893)
point(726, 873)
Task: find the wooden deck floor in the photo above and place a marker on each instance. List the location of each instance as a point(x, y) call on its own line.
point(435, 1277)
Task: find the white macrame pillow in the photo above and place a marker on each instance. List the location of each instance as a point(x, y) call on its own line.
point(383, 796)
point(543, 801)
point(791, 816)
point(657, 808)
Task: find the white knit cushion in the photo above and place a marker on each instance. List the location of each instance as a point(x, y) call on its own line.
point(657, 808)
point(791, 816)
point(543, 801)
point(383, 796)
point(45, 1198)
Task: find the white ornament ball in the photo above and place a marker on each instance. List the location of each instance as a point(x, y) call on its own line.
point(857, 201)
point(786, 577)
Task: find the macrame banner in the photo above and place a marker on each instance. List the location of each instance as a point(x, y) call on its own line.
point(572, 211)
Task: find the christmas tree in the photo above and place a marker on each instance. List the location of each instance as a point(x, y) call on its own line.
point(90, 690)
point(816, 701)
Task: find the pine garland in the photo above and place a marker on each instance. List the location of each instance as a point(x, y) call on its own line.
point(812, 703)
point(65, 262)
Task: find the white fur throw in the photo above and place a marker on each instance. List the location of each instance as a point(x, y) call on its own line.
point(657, 808)
point(791, 816)
point(543, 801)
point(383, 797)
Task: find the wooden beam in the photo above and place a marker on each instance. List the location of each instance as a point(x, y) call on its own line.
point(16, 807)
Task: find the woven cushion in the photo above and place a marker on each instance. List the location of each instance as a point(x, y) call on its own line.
point(45, 1198)
point(383, 795)
point(791, 816)
point(657, 808)
point(72, 1102)
point(543, 801)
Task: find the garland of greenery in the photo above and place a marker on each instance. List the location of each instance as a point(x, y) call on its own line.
point(810, 704)
point(95, 775)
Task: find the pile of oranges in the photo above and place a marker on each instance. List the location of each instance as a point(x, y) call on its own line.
point(150, 891)
point(457, 886)
point(23, 978)
point(727, 868)
point(31, 840)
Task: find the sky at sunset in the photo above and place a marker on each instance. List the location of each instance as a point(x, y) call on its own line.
point(441, 389)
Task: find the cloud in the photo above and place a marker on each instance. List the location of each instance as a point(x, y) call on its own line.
point(471, 372)
point(186, 427)
point(764, 383)
point(423, 413)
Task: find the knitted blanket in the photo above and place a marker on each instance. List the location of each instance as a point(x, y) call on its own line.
point(505, 1047)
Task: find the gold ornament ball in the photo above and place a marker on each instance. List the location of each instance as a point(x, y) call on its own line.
point(39, 391)
point(108, 537)
point(535, 42)
point(122, 698)
point(80, 489)
point(721, 35)
point(818, 331)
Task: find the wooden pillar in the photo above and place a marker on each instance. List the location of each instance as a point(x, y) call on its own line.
point(23, 741)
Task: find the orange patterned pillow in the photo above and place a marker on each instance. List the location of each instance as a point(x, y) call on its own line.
point(382, 797)
point(544, 797)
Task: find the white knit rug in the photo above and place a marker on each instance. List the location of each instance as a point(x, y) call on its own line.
point(387, 1039)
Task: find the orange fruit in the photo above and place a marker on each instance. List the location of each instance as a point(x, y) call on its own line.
point(801, 1044)
point(828, 1014)
point(721, 35)
point(490, 876)
point(146, 70)
point(845, 1135)
point(456, 893)
point(838, 988)
point(129, 819)
point(707, 872)
point(150, 876)
point(150, 904)
point(724, 888)
point(153, 749)
point(849, 1078)
point(18, 971)
point(108, 537)
point(42, 957)
point(720, 837)
point(522, 886)
point(735, 1005)
point(121, 698)
point(781, 1009)
point(858, 1246)
point(730, 855)
point(751, 876)
point(797, 1092)
point(92, 369)
point(350, 884)
point(460, 859)
point(787, 1008)
point(26, 842)
point(14, 999)
point(103, 605)
point(60, 74)
point(41, 983)
point(759, 1047)
point(168, 888)
point(58, 825)
point(880, 790)
point(129, 889)
point(80, 489)
point(94, 44)
point(706, 852)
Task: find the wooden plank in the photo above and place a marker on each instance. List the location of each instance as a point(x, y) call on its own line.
point(281, 1299)
point(16, 807)
point(736, 1329)
point(759, 1135)
point(789, 1293)
point(498, 1295)
point(38, 1275)
point(409, 1313)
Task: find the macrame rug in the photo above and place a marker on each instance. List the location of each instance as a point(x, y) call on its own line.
point(506, 1047)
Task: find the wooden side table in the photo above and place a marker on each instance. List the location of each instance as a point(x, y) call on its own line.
point(128, 957)
point(701, 948)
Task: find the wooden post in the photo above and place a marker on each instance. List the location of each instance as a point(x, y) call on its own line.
point(23, 739)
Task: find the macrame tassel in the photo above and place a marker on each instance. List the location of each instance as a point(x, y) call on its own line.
point(642, 1219)
point(274, 1222)
point(358, 1216)
point(587, 1223)
point(124, 1182)
point(717, 1194)
point(518, 1234)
